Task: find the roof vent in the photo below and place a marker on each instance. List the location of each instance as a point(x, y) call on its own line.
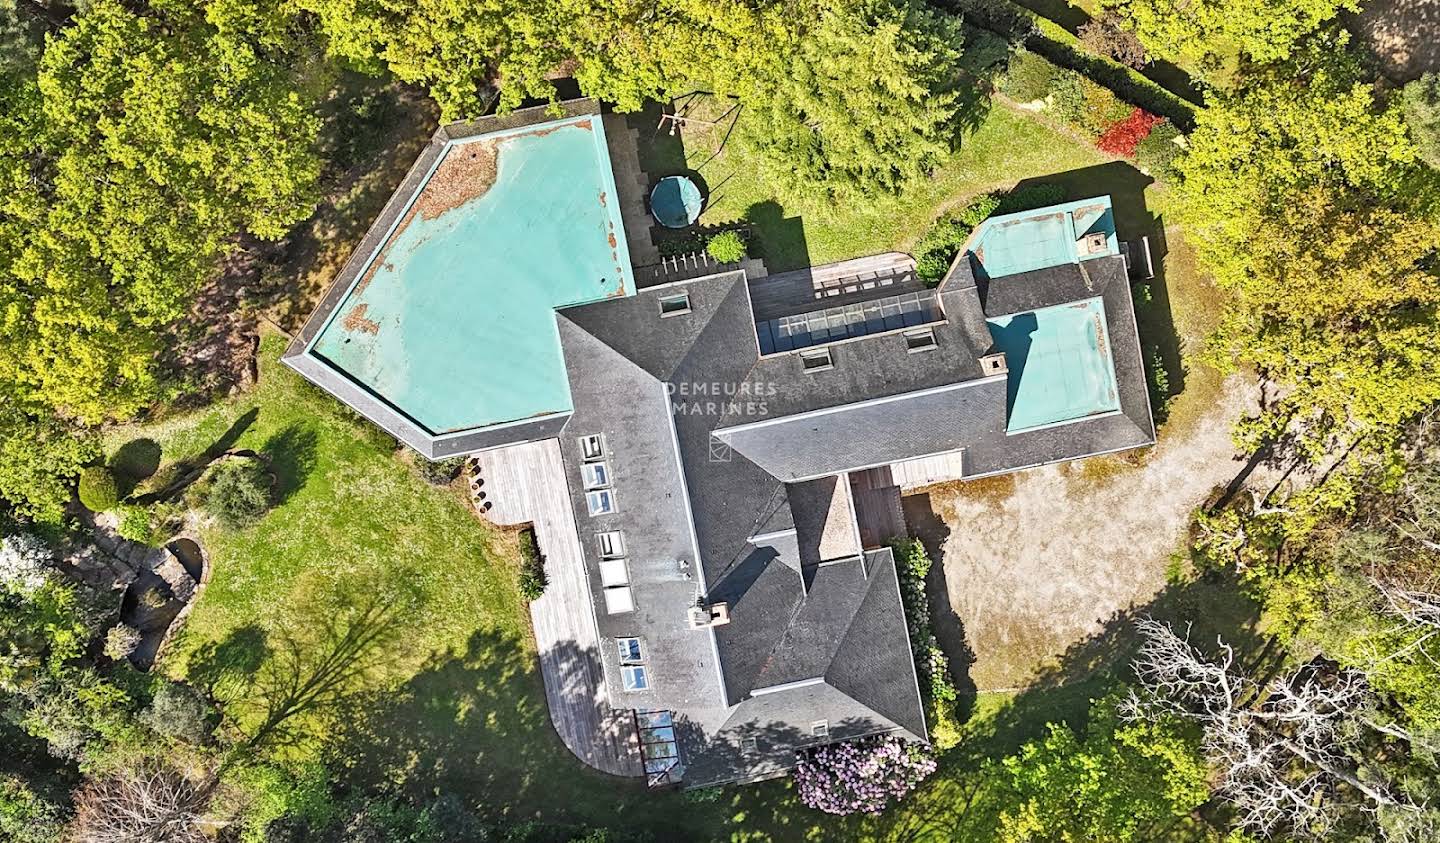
point(715, 614)
point(993, 364)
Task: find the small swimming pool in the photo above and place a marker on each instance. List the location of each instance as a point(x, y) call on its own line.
point(452, 323)
point(1060, 365)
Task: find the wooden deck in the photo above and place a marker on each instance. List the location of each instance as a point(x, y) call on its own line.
point(878, 512)
point(526, 484)
point(846, 282)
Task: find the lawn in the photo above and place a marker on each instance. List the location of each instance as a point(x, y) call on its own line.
point(1007, 148)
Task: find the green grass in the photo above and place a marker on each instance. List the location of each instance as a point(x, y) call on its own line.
point(1007, 148)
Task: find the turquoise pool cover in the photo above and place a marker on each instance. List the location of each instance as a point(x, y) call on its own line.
point(453, 322)
point(1029, 240)
point(1060, 365)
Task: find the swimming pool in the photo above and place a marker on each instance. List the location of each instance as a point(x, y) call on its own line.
point(1060, 369)
point(452, 322)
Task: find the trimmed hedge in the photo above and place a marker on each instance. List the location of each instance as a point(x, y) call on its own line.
point(98, 490)
point(533, 578)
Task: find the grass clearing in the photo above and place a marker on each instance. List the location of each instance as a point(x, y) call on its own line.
point(1009, 147)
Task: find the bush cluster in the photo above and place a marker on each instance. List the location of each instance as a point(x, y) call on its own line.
point(1124, 137)
point(726, 247)
point(939, 246)
point(121, 641)
point(1029, 77)
point(931, 665)
point(866, 775)
point(532, 567)
point(240, 493)
point(97, 489)
point(1159, 151)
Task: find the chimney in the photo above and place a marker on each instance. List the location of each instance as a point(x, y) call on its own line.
point(993, 364)
point(708, 615)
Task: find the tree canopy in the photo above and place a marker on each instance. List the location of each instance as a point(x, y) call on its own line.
point(1212, 34)
point(1303, 194)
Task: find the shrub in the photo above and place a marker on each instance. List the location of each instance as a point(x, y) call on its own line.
point(1158, 379)
point(1067, 97)
point(137, 459)
point(1124, 137)
point(27, 814)
point(98, 492)
point(1102, 109)
point(154, 598)
point(1159, 151)
point(726, 247)
point(121, 641)
point(1105, 37)
point(179, 711)
point(24, 563)
point(1421, 100)
point(532, 567)
point(932, 667)
point(137, 525)
point(439, 472)
point(939, 246)
point(1029, 77)
point(860, 776)
point(674, 246)
point(240, 493)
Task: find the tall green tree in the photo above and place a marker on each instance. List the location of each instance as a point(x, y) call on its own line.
point(1213, 35)
point(843, 96)
point(1303, 195)
point(148, 139)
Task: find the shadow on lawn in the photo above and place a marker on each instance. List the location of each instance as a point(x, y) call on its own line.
point(1159, 339)
point(291, 453)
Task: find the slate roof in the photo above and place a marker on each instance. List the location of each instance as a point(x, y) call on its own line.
point(656, 388)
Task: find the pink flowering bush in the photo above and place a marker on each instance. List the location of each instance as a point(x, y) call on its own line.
point(864, 775)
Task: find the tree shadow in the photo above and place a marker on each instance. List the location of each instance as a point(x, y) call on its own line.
point(780, 239)
point(175, 479)
point(1159, 339)
point(134, 462)
point(932, 531)
point(221, 668)
point(291, 454)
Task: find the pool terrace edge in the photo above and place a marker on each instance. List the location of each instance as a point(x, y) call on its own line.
point(370, 404)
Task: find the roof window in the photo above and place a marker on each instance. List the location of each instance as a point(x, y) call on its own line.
point(816, 360)
point(675, 305)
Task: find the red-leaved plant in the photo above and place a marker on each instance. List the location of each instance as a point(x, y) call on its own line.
point(1123, 137)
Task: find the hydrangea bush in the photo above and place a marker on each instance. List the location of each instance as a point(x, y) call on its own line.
point(866, 775)
point(24, 563)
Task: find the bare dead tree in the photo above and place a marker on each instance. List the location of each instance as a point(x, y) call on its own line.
point(1285, 750)
point(144, 802)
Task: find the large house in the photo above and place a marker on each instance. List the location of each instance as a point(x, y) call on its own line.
point(713, 456)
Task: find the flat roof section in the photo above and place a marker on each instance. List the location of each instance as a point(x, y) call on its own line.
point(451, 321)
point(1060, 366)
point(1051, 236)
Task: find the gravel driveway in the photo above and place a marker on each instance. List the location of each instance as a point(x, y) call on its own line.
point(1039, 560)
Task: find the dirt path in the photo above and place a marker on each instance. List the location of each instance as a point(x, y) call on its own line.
point(1033, 569)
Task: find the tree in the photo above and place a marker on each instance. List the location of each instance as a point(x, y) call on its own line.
point(1421, 101)
point(179, 711)
point(141, 801)
point(1303, 196)
point(1212, 34)
point(26, 814)
point(844, 97)
point(150, 137)
point(1296, 754)
point(861, 102)
point(1105, 37)
point(121, 641)
point(1121, 783)
point(239, 493)
point(39, 458)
